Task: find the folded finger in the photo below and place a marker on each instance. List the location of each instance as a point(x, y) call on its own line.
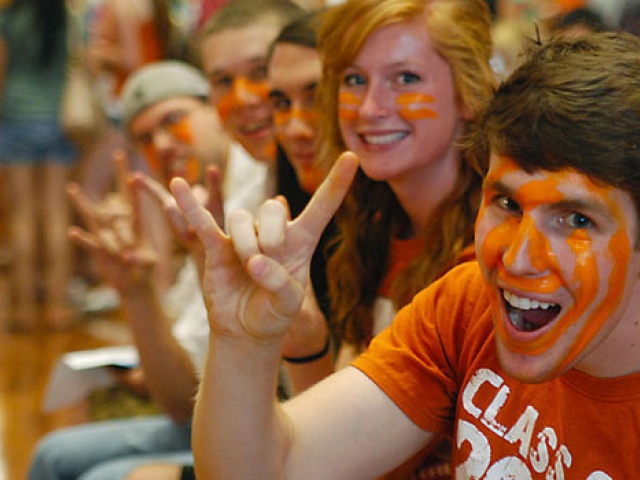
point(286, 293)
point(242, 231)
point(272, 227)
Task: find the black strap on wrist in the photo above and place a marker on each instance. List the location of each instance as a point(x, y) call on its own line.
point(310, 358)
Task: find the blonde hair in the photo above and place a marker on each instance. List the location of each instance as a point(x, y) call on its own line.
point(460, 31)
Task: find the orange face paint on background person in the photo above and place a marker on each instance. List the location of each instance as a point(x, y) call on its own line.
point(243, 91)
point(235, 61)
point(171, 123)
point(294, 72)
point(172, 166)
point(558, 251)
point(176, 138)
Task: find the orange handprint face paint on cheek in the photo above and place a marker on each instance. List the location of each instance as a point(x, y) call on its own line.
point(348, 105)
point(415, 106)
point(553, 237)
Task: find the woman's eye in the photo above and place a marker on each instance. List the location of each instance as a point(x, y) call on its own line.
point(354, 80)
point(406, 78)
point(577, 221)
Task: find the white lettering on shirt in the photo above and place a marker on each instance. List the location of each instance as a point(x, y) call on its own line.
point(538, 449)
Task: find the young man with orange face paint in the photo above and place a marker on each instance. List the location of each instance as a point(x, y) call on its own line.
point(527, 357)
point(170, 122)
point(233, 50)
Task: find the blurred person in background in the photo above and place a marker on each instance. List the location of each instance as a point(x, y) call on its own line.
point(37, 158)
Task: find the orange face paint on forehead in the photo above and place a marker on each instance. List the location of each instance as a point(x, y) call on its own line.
point(348, 105)
point(413, 106)
point(232, 99)
point(594, 274)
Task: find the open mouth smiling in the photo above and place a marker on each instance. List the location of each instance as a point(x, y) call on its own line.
point(383, 139)
point(528, 315)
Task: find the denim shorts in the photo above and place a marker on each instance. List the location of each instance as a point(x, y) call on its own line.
point(34, 143)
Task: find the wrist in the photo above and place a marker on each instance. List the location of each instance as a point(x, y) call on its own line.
point(313, 357)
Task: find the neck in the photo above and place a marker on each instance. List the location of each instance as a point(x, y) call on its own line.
point(420, 195)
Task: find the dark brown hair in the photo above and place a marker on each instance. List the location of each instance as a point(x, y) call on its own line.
point(574, 103)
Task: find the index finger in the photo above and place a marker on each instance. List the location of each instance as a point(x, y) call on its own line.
point(329, 196)
point(198, 217)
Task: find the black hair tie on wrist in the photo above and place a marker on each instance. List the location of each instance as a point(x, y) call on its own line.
point(310, 358)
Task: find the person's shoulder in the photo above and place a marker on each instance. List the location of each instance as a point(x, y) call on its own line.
point(461, 293)
point(464, 277)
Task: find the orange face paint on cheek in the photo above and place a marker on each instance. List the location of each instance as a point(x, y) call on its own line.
point(584, 282)
point(152, 159)
point(240, 89)
point(619, 249)
point(281, 118)
point(258, 89)
point(348, 105)
point(414, 106)
point(182, 131)
point(188, 168)
point(225, 105)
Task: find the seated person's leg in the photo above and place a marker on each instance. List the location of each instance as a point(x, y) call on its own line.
point(69, 452)
point(151, 467)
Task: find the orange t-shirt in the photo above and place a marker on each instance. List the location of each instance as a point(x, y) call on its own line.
point(438, 363)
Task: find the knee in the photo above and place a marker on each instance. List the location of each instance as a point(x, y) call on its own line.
point(48, 460)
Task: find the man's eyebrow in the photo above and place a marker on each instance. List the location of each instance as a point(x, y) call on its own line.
point(583, 205)
point(579, 204)
point(253, 62)
point(497, 186)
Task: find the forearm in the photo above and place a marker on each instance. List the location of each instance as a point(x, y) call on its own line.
point(239, 429)
point(169, 372)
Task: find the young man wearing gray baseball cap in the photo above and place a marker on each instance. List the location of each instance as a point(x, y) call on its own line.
point(170, 122)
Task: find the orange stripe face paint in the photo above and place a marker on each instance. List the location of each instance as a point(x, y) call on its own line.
point(167, 169)
point(348, 105)
point(305, 115)
point(535, 247)
point(235, 96)
point(414, 106)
